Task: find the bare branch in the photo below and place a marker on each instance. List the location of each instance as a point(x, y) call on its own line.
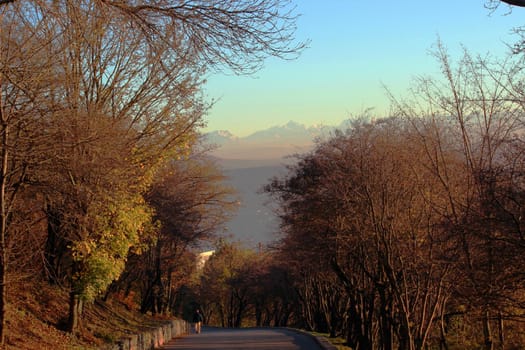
point(236, 35)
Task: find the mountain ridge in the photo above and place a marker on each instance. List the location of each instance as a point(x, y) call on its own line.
point(275, 142)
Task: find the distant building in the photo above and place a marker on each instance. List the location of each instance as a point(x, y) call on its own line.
point(202, 258)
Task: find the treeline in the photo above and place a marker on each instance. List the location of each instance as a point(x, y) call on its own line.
point(408, 232)
point(400, 233)
point(104, 182)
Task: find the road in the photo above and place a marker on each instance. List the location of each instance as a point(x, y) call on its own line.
point(247, 338)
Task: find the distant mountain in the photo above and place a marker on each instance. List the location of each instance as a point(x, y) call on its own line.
point(273, 143)
point(289, 133)
point(220, 137)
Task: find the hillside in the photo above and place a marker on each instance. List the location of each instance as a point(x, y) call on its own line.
point(37, 314)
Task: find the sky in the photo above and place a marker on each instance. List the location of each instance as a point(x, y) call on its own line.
point(357, 47)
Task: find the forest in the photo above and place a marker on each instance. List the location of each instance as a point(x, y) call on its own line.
point(401, 232)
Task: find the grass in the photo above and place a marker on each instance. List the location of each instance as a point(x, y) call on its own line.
point(338, 341)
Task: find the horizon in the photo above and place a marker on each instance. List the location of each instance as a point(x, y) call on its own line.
point(282, 125)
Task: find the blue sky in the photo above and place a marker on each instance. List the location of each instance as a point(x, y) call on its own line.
point(356, 48)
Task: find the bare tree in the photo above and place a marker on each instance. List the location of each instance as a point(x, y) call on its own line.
point(25, 81)
point(357, 205)
point(478, 104)
point(235, 35)
point(192, 202)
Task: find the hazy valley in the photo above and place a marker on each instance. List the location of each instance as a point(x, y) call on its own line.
point(251, 162)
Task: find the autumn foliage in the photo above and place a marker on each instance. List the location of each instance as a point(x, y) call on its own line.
point(103, 177)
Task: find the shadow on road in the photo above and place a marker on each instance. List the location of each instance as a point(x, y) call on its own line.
point(245, 338)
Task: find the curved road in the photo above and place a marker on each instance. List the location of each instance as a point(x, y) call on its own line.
point(245, 338)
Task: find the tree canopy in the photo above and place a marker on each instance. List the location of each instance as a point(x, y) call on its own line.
point(99, 100)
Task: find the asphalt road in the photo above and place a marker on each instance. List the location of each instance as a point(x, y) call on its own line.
point(247, 338)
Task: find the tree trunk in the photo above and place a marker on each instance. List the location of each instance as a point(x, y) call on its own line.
point(158, 287)
point(487, 332)
point(3, 221)
point(501, 327)
point(258, 314)
point(75, 312)
point(168, 299)
point(55, 246)
point(443, 343)
point(387, 337)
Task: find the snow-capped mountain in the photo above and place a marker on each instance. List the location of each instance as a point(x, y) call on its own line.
point(220, 137)
point(292, 131)
point(273, 143)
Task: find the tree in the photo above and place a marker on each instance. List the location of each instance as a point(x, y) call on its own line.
point(273, 292)
point(25, 81)
point(479, 104)
point(226, 284)
point(235, 35)
point(107, 146)
point(94, 229)
point(191, 203)
point(96, 126)
point(358, 204)
point(127, 70)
